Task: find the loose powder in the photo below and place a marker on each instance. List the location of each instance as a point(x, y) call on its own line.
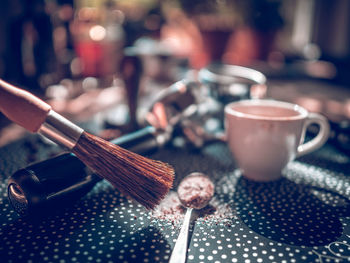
point(171, 211)
point(196, 190)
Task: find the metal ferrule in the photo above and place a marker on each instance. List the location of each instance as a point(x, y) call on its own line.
point(60, 130)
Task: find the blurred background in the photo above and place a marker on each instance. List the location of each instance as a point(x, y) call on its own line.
point(87, 56)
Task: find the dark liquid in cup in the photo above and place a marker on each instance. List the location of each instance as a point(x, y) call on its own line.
point(266, 110)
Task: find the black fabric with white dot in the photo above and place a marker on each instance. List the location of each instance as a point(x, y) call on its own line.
point(304, 217)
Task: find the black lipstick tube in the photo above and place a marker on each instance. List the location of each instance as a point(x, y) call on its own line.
point(59, 181)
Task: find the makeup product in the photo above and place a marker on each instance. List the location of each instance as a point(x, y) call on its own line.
point(195, 191)
point(58, 182)
point(145, 180)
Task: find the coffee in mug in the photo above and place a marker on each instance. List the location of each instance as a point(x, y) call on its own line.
point(265, 135)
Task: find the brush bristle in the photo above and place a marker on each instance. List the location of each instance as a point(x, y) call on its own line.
point(145, 180)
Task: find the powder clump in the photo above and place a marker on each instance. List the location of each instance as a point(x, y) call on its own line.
point(196, 190)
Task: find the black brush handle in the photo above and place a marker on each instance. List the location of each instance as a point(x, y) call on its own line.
point(131, 71)
point(58, 181)
point(144, 141)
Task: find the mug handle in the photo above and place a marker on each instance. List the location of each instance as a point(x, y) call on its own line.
point(320, 138)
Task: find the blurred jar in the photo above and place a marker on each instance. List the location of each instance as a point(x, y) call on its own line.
point(210, 23)
point(235, 31)
point(98, 40)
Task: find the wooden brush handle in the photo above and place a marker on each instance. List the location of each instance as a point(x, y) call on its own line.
point(22, 107)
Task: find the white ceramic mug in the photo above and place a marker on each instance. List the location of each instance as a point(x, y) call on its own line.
point(265, 135)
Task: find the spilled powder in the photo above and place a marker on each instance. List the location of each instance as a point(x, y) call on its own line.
point(171, 212)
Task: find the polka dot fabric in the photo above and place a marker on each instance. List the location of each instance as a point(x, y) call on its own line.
point(304, 217)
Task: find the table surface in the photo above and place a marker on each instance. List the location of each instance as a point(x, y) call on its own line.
point(304, 217)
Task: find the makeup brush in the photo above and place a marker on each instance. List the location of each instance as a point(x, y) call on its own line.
point(145, 180)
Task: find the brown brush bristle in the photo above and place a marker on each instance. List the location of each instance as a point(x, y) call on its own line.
point(145, 180)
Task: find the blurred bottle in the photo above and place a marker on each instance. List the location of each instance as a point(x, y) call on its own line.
point(215, 21)
point(31, 52)
point(62, 14)
point(234, 32)
point(98, 40)
point(255, 37)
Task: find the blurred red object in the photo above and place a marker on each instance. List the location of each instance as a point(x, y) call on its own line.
point(90, 54)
